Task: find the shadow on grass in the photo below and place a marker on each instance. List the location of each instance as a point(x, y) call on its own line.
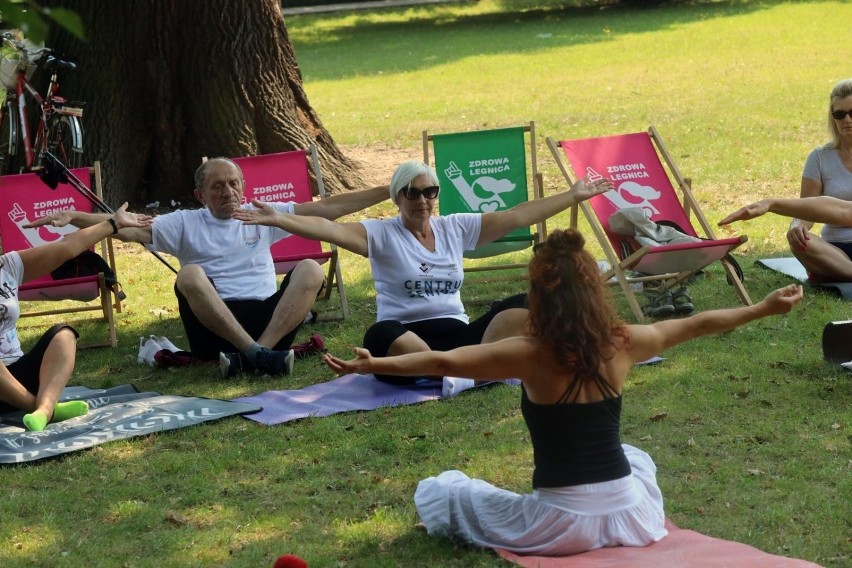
point(437, 35)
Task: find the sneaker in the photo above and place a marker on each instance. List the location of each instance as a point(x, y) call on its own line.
point(659, 304)
point(232, 364)
point(147, 349)
point(274, 362)
point(316, 344)
point(682, 302)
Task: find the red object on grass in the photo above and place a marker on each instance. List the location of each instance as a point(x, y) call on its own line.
point(290, 561)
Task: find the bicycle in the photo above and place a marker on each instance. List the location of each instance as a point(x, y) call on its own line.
point(58, 128)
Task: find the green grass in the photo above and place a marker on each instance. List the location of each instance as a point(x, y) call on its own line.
point(750, 430)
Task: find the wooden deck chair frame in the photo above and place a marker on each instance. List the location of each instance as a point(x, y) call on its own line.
point(517, 240)
point(668, 265)
point(108, 299)
point(287, 252)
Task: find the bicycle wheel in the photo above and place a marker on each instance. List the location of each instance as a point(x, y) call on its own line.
point(8, 138)
point(65, 140)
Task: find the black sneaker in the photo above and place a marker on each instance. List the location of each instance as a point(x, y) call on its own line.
point(659, 304)
point(682, 302)
point(274, 362)
point(232, 364)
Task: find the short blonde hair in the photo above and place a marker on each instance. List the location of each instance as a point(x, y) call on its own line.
point(841, 90)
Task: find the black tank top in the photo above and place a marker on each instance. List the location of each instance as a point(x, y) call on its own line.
point(576, 443)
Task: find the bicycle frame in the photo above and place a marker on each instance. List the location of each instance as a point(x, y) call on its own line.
point(20, 133)
point(32, 147)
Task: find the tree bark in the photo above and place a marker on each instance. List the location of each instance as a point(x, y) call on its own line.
point(167, 82)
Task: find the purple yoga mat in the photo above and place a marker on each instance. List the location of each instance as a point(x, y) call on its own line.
point(352, 392)
point(349, 392)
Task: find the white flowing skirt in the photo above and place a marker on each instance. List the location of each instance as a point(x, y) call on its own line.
point(549, 522)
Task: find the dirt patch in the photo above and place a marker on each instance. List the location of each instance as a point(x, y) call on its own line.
point(378, 162)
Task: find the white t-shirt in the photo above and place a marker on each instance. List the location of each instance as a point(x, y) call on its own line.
point(824, 164)
point(234, 255)
point(412, 283)
point(11, 276)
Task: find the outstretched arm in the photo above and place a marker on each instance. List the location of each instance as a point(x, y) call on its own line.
point(134, 234)
point(343, 203)
point(351, 236)
point(506, 359)
point(649, 340)
point(822, 209)
point(39, 261)
point(499, 223)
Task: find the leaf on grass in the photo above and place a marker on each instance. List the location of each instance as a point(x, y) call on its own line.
point(690, 442)
point(176, 518)
point(159, 312)
point(658, 416)
point(835, 426)
point(755, 471)
point(645, 438)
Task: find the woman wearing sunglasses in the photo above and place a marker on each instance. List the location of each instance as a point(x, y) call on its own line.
point(828, 171)
point(416, 262)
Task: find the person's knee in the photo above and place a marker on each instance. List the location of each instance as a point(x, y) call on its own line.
point(64, 339)
point(309, 275)
point(191, 278)
point(379, 336)
point(511, 322)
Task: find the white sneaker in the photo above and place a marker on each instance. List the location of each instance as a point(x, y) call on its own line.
point(147, 349)
point(453, 386)
point(164, 343)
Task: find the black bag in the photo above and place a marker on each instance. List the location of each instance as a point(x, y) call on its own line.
point(88, 263)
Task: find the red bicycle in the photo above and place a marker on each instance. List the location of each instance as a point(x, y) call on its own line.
point(58, 128)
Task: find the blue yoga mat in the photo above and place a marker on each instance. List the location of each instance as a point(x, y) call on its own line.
point(791, 267)
point(114, 414)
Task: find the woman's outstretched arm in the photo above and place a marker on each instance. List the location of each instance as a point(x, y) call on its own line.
point(507, 359)
point(351, 236)
point(649, 340)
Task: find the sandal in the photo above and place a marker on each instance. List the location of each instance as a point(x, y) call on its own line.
point(682, 302)
point(659, 304)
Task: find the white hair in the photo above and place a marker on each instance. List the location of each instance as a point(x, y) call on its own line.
point(406, 172)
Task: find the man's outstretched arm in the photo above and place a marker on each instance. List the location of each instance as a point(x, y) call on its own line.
point(343, 203)
point(82, 220)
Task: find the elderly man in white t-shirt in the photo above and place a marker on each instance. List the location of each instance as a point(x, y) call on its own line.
point(229, 303)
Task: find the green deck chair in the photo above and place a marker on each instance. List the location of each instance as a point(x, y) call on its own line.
point(488, 170)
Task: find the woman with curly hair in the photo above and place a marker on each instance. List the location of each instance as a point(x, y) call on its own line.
point(589, 489)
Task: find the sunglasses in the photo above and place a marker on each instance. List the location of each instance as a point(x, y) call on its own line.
point(841, 114)
point(414, 193)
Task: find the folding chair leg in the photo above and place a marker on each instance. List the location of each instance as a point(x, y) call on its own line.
point(631, 297)
point(341, 292)
point(737, 283)
point(107, 307)
point(334, 280)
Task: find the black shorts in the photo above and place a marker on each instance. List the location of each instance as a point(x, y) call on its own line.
point(253, 315)
point(27, 369)
point(440, 334)
point(845, 247)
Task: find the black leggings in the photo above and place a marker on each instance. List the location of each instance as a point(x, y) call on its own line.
point(440, 334)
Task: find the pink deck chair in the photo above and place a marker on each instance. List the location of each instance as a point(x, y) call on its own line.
point(25, 198)
point(632, 162)
point(284, 177)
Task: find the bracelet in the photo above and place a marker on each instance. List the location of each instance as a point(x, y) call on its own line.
point(114, 226)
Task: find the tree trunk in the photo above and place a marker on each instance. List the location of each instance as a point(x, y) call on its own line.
point(167, 82)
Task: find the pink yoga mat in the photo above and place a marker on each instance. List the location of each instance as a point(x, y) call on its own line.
point(680, 549)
